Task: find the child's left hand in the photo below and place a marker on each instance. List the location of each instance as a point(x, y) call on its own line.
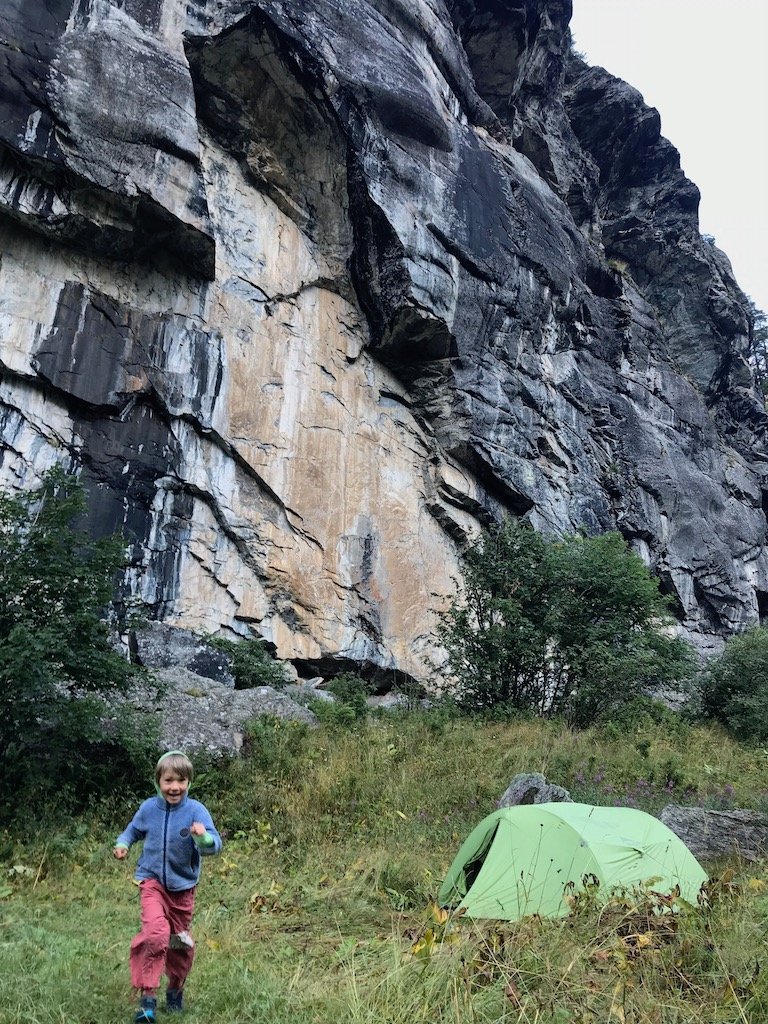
point(197, 829)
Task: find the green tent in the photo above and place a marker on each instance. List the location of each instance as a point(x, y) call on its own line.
point(518, 860)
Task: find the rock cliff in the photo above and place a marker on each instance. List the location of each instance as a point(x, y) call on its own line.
point(309, 290)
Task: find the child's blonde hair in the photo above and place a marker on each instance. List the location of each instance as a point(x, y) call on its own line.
point(175, 761)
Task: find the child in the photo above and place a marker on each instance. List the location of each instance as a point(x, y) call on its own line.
point(176, 831)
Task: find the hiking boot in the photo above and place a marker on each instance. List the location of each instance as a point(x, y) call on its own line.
point(174, 999)
point(146, 1011)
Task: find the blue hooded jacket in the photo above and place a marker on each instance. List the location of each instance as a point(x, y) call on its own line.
point(171, 855)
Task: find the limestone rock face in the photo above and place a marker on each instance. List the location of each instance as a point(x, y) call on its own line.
point(308, 291)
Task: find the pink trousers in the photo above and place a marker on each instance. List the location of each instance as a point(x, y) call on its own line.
point(163, 914)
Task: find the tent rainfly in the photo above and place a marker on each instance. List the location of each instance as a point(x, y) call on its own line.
point(518, 860)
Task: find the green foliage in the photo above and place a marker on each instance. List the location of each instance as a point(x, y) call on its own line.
point(642, 712)
point(572, 627)
point(350, 704)
point(496, 637)
point(333, 714)
point(252, 663)
point(734, 686)
point(352, 691)
point(274, 746)
point(607, 628)
point(56, 661)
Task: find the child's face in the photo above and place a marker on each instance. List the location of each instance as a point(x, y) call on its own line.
point(172, 786)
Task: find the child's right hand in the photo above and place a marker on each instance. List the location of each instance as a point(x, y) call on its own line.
point(119, 852)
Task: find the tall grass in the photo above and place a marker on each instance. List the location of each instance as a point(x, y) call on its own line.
point(320, 907)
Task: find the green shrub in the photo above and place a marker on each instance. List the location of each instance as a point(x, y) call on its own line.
point(571, 627)
point(734, 686)
point(333, 713)
point(352, 691)
point(496, 633)
point(639, 713)
point(350, 701)
point(252, 663)
point(57, 666)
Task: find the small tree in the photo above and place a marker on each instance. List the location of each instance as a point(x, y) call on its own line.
point(496, 636)
point(734, 686)
point(609, 642)
point(55, 583)
point(573, 627)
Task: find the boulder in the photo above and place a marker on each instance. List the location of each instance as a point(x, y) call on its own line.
point(308, 689)
point(533, 788)
point(200, 714)
point(710, 834)
point(157, 645)
point(389, 701)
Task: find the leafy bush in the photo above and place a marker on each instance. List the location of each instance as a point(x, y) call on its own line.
point(56, 660)
point(252, 664)
point(333, 714)
point(734, 686)
point(639, 713)
point(352, 691)
point(350, 704)
point(573, 627)
point(496, 635)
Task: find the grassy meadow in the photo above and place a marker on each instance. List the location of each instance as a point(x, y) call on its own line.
point(320, 907)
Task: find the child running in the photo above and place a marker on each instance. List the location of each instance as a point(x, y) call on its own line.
point(176, 832)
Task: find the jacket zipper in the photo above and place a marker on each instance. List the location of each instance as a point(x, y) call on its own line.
point(165, 847)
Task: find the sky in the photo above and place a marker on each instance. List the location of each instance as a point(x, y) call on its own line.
point(703, 65)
